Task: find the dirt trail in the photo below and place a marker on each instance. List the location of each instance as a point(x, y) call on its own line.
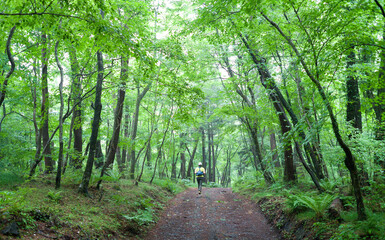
point(217, 213)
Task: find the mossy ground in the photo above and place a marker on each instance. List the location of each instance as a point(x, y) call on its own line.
point(120, 210)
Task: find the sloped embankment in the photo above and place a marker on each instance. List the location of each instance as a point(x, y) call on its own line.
point(287, 223)
point(121, 210)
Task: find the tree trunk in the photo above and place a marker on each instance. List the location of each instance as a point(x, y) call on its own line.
point(76, 158)
point(68, 146)
point(379, 105)
point(61, 144)
point(182, 165)
point(83, 187)
point(203, 148)
point(3, 86)
point(99, 161)
point(118, 156)
point(135, 129)
point(209, 173)
point(273, 148)
point(214, 154)
point(353, 108)
point(38, 135)
point(117, 119)
point(125, 156)
point(255, 144)
point(45, 106)
point(191, 162)
point(289, 167)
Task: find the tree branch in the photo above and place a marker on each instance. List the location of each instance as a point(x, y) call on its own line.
point(43, 13)
point(12, 61)
point(381, 8)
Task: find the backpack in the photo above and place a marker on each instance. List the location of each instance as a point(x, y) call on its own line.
point(199, 173)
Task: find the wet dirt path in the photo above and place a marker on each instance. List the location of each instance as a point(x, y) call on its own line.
point(217, 213)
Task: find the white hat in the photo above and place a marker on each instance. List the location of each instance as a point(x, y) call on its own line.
point(199, 164)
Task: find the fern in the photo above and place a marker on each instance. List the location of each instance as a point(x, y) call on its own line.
point(55, 196)
point(329, 185)
point(317, 204)
point(142, 217)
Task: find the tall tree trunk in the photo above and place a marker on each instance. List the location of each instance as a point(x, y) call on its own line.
point(224, 175)
point(45, 106)
point(76, 158)
point(214, 152)
point(149, 154)
point(117, 119)
point(125, 156)
point(209, 170)
point(191, 162)
point(99, 161)
point(135, 129)
point(353, 108)
point(203, 148)
point(83, 187)
point(61, 144)
point(118, 156)
point(182, 156)
point(173, 160)
point(273, 149)
point(289, 167)
point(37, 128)
point(255, 145)
point(379, 105)
point(68, 146)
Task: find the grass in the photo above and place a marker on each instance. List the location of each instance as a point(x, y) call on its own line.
point(120, 208)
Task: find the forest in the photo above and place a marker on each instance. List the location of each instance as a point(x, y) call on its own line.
point(281, 100)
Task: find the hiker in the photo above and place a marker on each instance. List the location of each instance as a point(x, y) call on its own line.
point(200, 173)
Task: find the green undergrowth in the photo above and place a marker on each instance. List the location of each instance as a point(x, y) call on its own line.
point(119, 210)
point(300, 209)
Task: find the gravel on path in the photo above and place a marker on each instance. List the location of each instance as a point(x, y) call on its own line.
point(217, 213)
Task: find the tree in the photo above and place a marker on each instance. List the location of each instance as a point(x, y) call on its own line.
point(117, 118)
point(83, 187)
